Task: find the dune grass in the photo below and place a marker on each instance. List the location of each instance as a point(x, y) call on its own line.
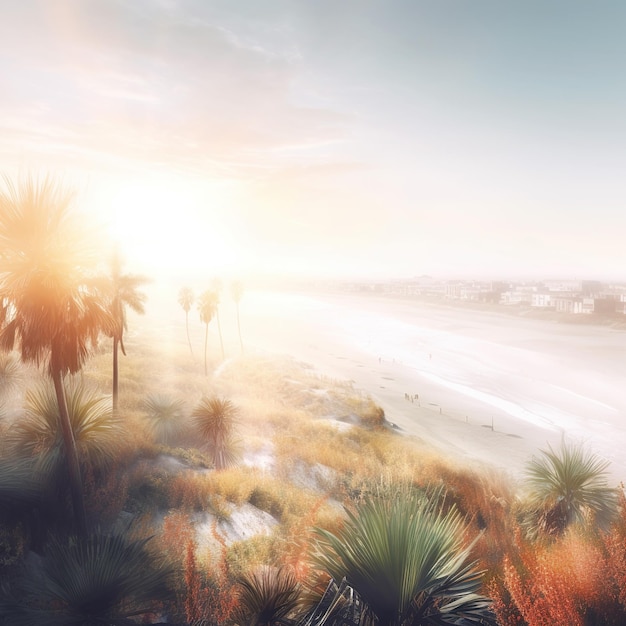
point(312, 448)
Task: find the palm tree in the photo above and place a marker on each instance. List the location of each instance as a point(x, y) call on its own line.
point(122, 291)
point(185, 299)
point(216, 419)
point(207, 305)
point(51, 310)
point(237, 292)
point(216, 286)
point(269, 596)
point(405, 558)
point(568, 487)
point(98, 579)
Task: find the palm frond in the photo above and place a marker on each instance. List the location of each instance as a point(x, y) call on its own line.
point(207, 305)
point(215, 419)
point(165, 414)
point(405, 558)
point(269, 596)
point(566, 487)
point(96, 430)
point(98, 579)
point(186, 298)
point(10, 373)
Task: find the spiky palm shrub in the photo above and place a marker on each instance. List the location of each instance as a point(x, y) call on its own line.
point(269, 596)
point(406, 560)
point(10, 373)
point(566, 487)
point(100, 579)
point(165, 414)
point(10, 379)
point(215, 419)
point(96, 431)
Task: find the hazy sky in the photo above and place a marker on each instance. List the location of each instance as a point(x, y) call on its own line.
point(345, 137)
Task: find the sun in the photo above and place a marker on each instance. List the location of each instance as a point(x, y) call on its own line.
point(170, 224)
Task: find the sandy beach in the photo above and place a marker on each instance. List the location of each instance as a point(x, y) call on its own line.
point(481, 386)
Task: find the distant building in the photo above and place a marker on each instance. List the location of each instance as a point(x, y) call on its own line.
point(518, 295)
point(542, 300)
point(574, 305)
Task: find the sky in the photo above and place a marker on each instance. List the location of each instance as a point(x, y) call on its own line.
point(330, 138)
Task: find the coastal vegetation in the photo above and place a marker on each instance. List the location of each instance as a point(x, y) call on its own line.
point(252, 490)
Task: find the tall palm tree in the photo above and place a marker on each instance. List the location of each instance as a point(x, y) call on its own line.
point(186, 299)
point(52, 312)
point(216, 286)
point(122, 291)
point(207, 305)
point(406, 559)
point(237, 292)
point(566, 487)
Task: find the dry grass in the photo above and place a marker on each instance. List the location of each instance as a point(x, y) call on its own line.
point(328, 447)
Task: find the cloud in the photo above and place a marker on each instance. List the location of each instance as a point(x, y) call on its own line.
point(158, 81)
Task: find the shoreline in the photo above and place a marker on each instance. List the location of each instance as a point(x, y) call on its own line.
point(448, 417)
point(493, 389)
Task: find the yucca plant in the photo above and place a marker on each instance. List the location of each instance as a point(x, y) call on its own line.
point(406, 559)
point(99, 579)
point(96, 431)
point(568, 486)
point(165, 414)
point(269, 596)
point(215, 419)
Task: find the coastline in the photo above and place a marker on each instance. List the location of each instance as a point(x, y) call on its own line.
point(493, 388)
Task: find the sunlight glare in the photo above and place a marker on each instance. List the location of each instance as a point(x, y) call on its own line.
point(172, 225)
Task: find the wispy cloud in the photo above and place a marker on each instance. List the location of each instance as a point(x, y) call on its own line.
point(139, 79)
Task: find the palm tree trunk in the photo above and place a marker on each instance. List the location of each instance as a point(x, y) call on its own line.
point(115, 373)
point(71, 456)
point(206, 340)
point(219, 330)
point(239, 329)
point(187, 325)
